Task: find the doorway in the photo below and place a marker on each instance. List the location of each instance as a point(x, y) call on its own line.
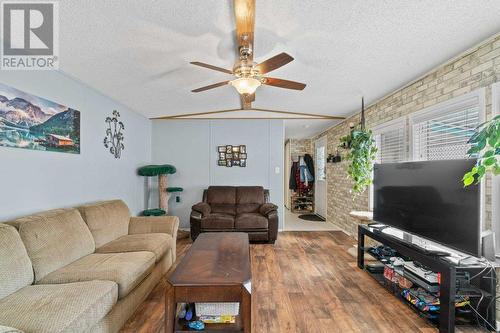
point(320, 183)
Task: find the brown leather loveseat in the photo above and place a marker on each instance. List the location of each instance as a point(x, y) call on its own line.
point(236, 208)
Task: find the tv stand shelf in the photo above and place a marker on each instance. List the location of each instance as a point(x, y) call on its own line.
point(439, 264)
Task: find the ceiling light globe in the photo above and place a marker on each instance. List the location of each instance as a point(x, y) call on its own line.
point(246, 85)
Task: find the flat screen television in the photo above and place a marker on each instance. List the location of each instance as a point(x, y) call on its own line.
point(428, 199)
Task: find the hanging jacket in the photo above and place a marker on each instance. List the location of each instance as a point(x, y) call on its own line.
point(310, 165)
point(305, 175)
point(292, 184)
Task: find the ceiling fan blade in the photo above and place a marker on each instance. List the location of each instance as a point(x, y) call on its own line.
point(246, 101)
point(244, 12)
point(280, 83)
point(274, 63)
point(215, 68)
point(215, 85)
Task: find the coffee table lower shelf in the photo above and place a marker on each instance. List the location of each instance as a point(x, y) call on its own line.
point(181, 326)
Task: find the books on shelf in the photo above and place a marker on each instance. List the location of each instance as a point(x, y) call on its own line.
point(223, 319)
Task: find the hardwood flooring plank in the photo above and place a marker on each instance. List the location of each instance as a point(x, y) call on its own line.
point(305, 283)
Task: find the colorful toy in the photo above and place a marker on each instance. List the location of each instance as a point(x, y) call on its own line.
point(196, 325)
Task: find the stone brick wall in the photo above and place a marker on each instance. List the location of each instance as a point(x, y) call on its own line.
point(301, 147)
point(477, 68)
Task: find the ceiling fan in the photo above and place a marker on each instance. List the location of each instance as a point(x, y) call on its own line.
point(248, 74)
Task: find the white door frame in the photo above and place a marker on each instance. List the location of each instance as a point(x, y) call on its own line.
point(322, 140)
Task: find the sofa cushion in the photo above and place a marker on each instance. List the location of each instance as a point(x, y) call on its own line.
point(249, 195)
point(247, 208)
point(54, 239)
point(221, 195)
point(107, 220)
point(126, 269)
point(16, 270)
point(218, 221)
point(250, 221)
point(223, 209)
point(158, 244)
point(74, 307)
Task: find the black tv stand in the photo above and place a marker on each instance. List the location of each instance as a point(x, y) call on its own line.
point(436, 263)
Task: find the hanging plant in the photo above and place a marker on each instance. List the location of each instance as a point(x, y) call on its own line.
point(362, 153)
point(486, 148)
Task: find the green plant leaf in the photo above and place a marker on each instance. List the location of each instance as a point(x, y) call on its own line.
point(490, 161)
point(468, 181)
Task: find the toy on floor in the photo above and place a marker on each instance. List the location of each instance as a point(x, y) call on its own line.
point(196, 325)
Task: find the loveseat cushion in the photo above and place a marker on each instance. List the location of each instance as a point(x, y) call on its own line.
point(249, 199)
point(249, 195)
point(221, 195)
point(218, 221)
point(223, 209)
point(126, 269)
point(16, 271)
point(74, 307)
point(107, 220)
point(158, 244)
point(247, 221)
point(54, 239)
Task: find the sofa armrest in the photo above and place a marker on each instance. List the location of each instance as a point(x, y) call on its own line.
point(156, 224)
point(195, 224)
point(5, 329)
point(203, 208)
point(267, 208)
point(272, 218)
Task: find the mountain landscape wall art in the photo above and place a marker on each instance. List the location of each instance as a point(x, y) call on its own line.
point(31, 122)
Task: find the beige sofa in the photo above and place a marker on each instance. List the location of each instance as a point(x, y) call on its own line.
point(83, 269)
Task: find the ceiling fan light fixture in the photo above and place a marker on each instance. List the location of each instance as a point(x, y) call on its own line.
point(245, 85)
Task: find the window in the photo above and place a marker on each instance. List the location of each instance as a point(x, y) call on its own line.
point(321, 162)
point(442, 131)
point(390, 139)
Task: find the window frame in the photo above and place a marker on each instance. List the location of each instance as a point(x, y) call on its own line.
point(386, 127)
point(475, 97)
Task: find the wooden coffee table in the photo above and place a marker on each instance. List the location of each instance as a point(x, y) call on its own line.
point(215, 269)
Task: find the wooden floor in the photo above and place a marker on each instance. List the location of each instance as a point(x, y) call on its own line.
point(306, 283)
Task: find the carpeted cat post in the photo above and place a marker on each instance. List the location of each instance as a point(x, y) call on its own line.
point(162, 172)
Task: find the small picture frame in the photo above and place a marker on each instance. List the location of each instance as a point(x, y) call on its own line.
point(229, 149)
point(236, 162)
point(221, 149)
point(229, 163)
point(243, 163)
point(229, 156)
point(236, 149)
point(221, 162)
point(243, 155)
point(236, 156)
point(222, 156)
point(243, 149)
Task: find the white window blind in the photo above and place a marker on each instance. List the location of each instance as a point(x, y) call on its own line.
point(441, 133)
point(391, 142)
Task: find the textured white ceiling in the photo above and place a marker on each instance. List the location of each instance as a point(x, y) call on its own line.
point(138, 51)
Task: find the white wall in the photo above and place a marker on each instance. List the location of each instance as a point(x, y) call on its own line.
point(191, 145)
point(32, 181)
